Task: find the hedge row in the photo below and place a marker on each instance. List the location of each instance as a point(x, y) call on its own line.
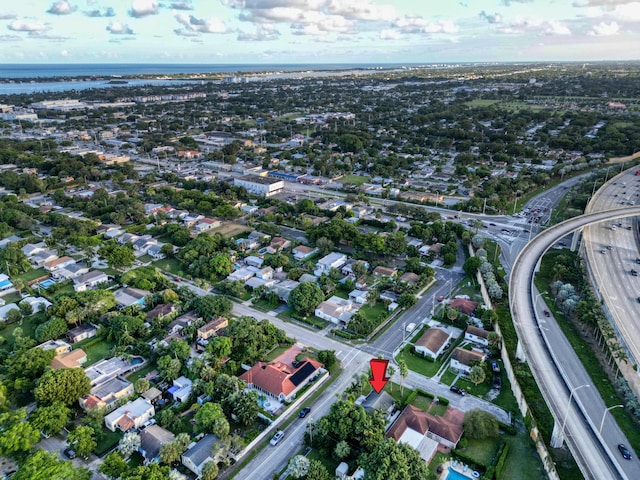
point(501, 459)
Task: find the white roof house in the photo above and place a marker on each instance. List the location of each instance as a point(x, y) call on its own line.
point(326, 263)
point(130, 415)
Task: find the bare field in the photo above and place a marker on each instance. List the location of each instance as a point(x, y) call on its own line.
point(230, 229)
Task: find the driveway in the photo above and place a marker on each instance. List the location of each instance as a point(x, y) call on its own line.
point(57, 445)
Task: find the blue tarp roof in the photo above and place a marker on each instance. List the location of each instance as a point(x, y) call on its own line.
point(5, 283)
point(173, 390)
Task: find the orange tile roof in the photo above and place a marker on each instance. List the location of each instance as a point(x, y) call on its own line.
point(69, 359)
point(125, 423)
point(422, 422)
point(276, 378)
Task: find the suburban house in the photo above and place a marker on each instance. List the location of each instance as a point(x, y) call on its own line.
point(40, 259)
point(284, 289)
point(326, 263)
point(151, 440)
point(89, 280)
point(462, 360)
point(424, 432)
point(464, 305)
point(58, 345)
point(212, 328)
point(336, 310)
point(389, 295)
point(153, 395)
point(81, 332)
point(205, 224)
point(37, 303)
point(252, 261)
point(479, 336)
point(106, 394)
point(32, 249)
point(73, 359)
point(432, 343)
point(242, 274)
point(129, 416)
point(181, 389)
point(381, 402)
point(58, 263)
point(279, 380)
point(301, 252)
point(125, 297)
point(4, 310)
point(70, 271)
point(5, 282)
point(198, 454)
point(180, 323)
point(359, 296)
point(279, 243)
point(161, 311)
point(410, 278)
point(381, 271)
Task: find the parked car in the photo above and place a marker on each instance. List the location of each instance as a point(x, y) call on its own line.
point(70, 453)
point(411, 327)
point(303, 413)
point(634, 273)
point(547, 313)
point(626, 454)
point(277, 437)
point(497, 383)
point(495, 368)
point(456, 389)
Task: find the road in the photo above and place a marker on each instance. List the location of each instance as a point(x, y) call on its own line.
point(612, 255)
point(556, 367)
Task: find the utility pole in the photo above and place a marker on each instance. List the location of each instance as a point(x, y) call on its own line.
point(484, 207)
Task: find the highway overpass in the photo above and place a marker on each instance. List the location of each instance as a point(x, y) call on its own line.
point(575, 403)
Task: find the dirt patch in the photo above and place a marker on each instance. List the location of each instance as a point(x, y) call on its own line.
point(230, 229)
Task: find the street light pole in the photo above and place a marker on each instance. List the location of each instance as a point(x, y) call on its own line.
point(566, 413)
point(604, 414)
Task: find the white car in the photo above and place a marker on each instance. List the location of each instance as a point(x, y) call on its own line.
point(411, 327)
point(276, 438)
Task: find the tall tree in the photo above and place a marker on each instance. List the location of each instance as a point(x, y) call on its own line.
point(393, 461)
point(305, 298)
point(50, 419)
point(113, 466)
point(404, 373)
point(480, 424)
point(47, 466)
point(65, 386)
point(83, 440)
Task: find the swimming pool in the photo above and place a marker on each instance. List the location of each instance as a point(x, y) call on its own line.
point(47, 283)
point(136, 361)
point(453, 475)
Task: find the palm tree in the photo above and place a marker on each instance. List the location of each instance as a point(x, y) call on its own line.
point(404, 373)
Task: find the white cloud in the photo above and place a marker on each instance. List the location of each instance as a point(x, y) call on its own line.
point(200, 25)
point(490, 17)
point(361, 10)
point(263, 33)
point(181, 5)
point(65, 53)
point(628, 12)
point(61, 7)
point(7, 16)
point(605, 29)
point(417, 24)
point(10, 38)
point(143, 8)
point(118, 28)
point(555, 27)
point(27, 26)
point(96, 13)
point(390, 34)
point(508, 3)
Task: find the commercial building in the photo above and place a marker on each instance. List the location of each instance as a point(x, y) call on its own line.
point(263, 186)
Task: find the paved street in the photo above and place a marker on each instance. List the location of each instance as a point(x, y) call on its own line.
point(557, 368)
point(57, 445)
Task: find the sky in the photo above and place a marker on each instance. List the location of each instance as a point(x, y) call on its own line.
point(317, 31)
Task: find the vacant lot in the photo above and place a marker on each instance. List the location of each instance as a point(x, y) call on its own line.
point(354, 179)
point(230, 229)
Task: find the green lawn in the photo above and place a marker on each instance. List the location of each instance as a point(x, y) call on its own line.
point(479, 102)
point(438, 410)
point(31, 275)
point(482, 450)
point(108, 441)
point(523, 462)
point(28, 325)
point(378, 312)
point(95, 351)
point(141, 373)
point(417, 364)
point(479, 391)
point(447, 377)
point(146, 258)
point(327, 460)
point(171, 265)
point(422, 402)
point(276, 352)
point(354, 179)
point(12, 298)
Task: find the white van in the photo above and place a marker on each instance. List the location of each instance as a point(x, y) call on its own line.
point(276, 438)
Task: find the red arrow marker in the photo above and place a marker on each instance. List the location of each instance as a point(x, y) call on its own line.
point(379, 373)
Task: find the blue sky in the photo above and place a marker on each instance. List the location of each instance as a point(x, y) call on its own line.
point(316, 31)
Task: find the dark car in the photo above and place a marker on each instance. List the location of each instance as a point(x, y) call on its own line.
point(456, 389)
point(441, 298)
point(303, 413)
point(634, 273)
point(547, 313)
point(70, 453)
point(497, 383)
point(626, 454)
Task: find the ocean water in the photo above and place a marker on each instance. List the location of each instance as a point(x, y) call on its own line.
point(17, 71)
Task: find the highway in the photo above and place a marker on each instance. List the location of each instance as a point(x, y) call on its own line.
point(556, 367)
point(611, 255)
